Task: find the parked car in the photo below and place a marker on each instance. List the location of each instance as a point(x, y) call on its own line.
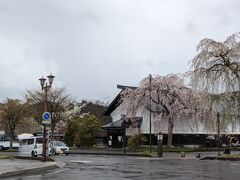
point(6, 145)
point(59, 147)
point(32, 146)
point(5, 141)
point(235, 144)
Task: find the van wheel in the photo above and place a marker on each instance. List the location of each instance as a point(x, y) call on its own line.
point(53, 152)
point(1, 148)
point(33, 154)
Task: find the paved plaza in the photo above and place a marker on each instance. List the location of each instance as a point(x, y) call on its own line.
point(109, 167)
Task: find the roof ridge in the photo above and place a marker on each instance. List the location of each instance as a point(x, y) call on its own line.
point(125, 87)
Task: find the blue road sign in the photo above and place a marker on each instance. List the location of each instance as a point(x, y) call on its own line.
point(46, 118)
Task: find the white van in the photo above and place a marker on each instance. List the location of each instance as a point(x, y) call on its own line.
point(31, 146)
point(5, 142)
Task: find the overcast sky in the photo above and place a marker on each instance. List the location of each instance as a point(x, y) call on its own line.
point(93, 45)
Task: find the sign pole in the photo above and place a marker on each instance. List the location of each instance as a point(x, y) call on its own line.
point(44, 127)
point(46, 120)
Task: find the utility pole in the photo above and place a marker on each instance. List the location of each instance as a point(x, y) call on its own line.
point(218, 132)
point(150, 113)
point(124, 132)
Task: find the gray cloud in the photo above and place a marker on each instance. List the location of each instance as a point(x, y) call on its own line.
point(191, 28)
point(92, 45)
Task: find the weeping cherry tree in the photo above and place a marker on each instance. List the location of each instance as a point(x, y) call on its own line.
point(215, 73)
point(169, 96)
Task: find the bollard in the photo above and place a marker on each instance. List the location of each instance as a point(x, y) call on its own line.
point(226, 151)
point(160, 144)
point(182, 154)
point(198, 155)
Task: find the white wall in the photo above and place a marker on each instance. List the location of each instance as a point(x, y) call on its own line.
point(185, 126)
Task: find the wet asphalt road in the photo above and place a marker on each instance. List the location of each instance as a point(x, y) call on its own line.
point(92, 167)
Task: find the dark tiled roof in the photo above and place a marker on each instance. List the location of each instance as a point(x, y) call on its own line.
point(117, 100)
point(115, 124)
point(114, 104)
point(125, 87)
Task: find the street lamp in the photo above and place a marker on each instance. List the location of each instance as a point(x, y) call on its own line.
point(45, 87)
point(160, 144)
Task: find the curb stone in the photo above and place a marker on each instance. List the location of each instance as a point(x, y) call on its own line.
point(29, 171)
point(111, 154)
point(220, 158)
point(34, 158)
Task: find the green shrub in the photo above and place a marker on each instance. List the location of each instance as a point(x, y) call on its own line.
point(82, 131)
point(69, 136)
point(87, 128)
point(134, 142)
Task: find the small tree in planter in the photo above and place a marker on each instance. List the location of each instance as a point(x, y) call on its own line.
point(135, 141)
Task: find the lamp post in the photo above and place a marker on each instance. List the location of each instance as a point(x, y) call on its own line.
point(218, 132)
point(150, 114)
point(45, 87)
point(160, 144)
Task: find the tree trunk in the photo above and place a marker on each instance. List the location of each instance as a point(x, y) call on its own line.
point(11, 140)
point(170, 130)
